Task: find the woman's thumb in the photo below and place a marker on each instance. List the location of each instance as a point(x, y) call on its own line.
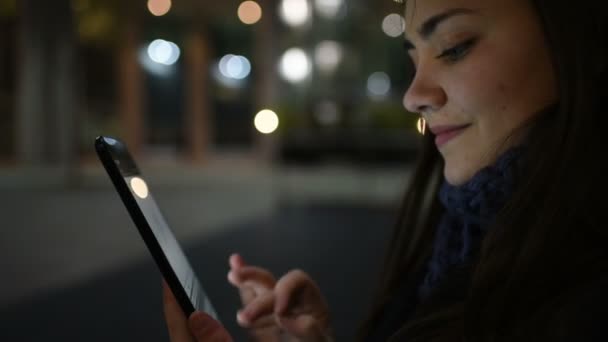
point(205, 328)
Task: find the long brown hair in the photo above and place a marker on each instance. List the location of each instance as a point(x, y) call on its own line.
point(550, 239)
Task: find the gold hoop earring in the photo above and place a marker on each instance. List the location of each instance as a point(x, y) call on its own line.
point(421, 125)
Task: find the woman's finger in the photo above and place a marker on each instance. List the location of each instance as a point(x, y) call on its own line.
point(236, 261)
point(177, 325)
point(206, 329)
point(300, 308)
point(263, 322)
point(260, 307)
point(251, 282)
point(287, 290)
point(251, 276)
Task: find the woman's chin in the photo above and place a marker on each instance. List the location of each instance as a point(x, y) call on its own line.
point(456, 176)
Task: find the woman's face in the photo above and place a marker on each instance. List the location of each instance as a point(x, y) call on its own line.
point(482, 70)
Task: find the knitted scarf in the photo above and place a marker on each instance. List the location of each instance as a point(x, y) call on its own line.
point(469, 212)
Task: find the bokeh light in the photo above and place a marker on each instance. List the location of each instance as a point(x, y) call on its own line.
point(294, 12)
point(153, 67)
point(159, 7)
point(163, 52)
point(378, 84)
point(328, 55)
point(159, 57)
point(393, 25)
point(295, 65)
point(235, 67)
point(249, 12)
point(266, 121)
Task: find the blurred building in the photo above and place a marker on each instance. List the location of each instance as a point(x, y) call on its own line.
point(294, 80)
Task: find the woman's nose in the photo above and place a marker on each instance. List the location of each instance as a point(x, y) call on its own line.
point(424, 95)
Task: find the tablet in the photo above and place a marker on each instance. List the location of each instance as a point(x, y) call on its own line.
point(162, 244)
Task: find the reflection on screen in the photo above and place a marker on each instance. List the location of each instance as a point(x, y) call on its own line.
point(139, 187)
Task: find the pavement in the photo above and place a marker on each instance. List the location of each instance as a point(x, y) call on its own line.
point(75, 267)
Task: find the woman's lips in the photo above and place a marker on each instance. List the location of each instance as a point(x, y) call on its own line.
point(445, 135)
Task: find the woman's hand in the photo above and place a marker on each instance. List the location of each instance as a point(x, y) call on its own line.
point(292, 306)
point(255, 287)
point(199, 327)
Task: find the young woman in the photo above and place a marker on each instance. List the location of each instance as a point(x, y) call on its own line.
point(502, 234)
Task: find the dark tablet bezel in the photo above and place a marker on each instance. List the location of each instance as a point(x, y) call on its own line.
point(119, 164)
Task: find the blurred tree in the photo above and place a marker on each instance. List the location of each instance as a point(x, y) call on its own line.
point(198, 124)
point(48, 93)
point(130, 77)
point(7, 75)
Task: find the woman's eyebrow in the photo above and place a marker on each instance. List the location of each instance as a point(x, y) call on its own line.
point(427, 29)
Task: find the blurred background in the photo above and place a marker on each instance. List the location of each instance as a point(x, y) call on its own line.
point(271, 127)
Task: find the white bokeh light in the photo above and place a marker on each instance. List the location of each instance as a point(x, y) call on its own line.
point(159, 51)
point(378, 84)
point(393, 25)
point(233, 66)
point(175, 52)
point(266, 121)
point(328, 55)
point(153, 67)
point(329, 8)
point(294, 12)
point(295, 65)
point(223, 65)
point(163, 52)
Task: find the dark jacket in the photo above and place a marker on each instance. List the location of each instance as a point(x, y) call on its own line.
point(583, 317)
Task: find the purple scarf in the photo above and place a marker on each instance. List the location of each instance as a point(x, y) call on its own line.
point(469, 212)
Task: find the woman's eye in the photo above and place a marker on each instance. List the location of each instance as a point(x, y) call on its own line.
point(457, 52)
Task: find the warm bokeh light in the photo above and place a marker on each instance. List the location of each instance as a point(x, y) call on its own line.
point(295, 12)
point(421, 125)
point(328, 55)
point(159, 7)
point(139, 187)
point(266, 121)
point(163, 52)
point(295, 65)
point(378, 84)
point(393, 25)
point(249, 12)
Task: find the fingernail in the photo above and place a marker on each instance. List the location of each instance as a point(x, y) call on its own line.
point(241, 317)
point(232, 277)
